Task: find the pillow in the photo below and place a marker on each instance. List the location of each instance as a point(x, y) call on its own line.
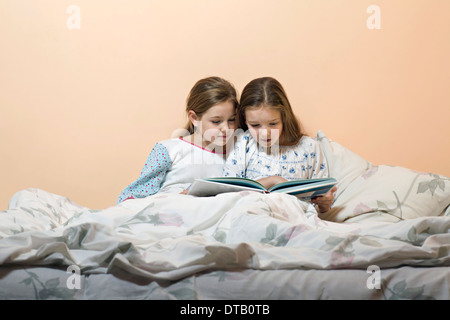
point(343, 165)
point(395, 191)
point(386, 193)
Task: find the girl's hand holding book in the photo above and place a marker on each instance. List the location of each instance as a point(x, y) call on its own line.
point(323, 203)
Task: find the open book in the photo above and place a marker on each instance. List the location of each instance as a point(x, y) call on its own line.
point(303, 189)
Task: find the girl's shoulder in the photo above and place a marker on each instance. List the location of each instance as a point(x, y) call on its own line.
point(244, 140)
point(170, 143)
point(305, 145)
point(174, 145)
point(242, 136)
point(307, 141)
point(184, 146)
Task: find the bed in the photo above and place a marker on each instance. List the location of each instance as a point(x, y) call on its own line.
point(386, 237)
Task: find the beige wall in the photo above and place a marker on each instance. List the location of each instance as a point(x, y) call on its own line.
point(80, 109)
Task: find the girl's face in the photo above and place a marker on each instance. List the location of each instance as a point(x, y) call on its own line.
point(264, 124)
point(216, 125)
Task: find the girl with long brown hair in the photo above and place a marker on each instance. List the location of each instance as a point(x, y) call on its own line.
point(273, 147)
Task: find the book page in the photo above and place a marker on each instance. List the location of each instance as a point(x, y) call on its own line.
point(238, 182)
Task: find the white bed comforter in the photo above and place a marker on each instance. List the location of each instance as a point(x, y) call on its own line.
point(170, 236)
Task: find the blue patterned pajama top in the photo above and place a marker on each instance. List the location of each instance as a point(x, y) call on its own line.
point(304, 160)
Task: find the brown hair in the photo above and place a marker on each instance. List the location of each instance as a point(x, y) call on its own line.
point(207, 93)
point(268, 92)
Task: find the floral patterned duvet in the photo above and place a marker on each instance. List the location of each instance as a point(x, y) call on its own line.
point(243, 245)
